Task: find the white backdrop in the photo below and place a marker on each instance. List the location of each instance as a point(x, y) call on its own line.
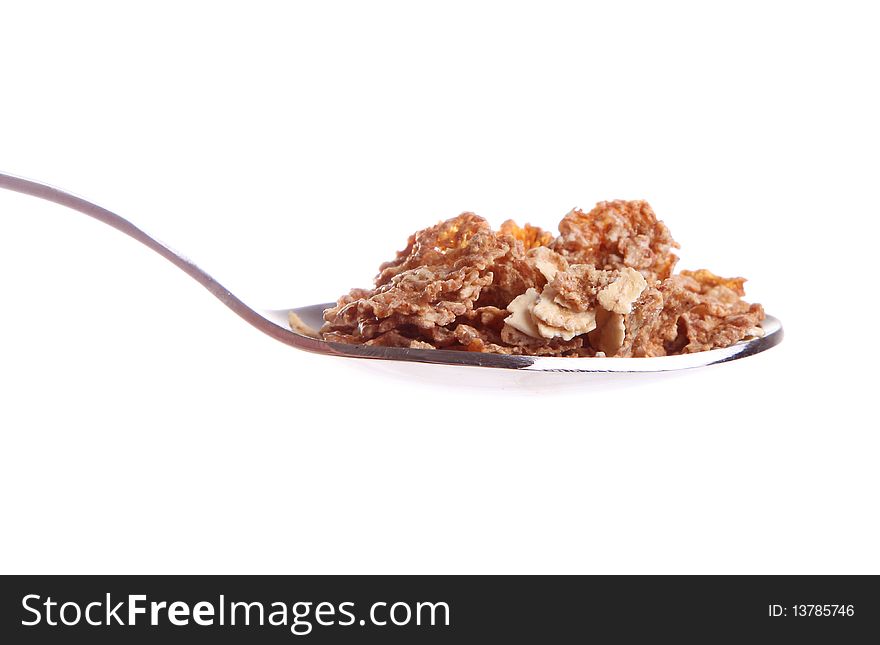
point(289, 148)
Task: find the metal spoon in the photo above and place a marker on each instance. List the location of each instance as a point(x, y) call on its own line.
point(275, 323)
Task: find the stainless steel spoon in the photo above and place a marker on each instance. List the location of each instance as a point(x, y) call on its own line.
point(275, 323)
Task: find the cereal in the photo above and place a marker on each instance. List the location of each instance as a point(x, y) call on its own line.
point(521, 317)
point(609, 333)
point(531, 236)
point(557, 321)
point(620, 294)
point(603, 287)
point(615, 235)
point(548, 262)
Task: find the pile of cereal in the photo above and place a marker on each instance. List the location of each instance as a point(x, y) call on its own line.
point(603, 287)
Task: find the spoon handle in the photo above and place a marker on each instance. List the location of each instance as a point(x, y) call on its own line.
point(49, 193)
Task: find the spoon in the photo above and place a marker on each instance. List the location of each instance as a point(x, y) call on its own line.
point(277, 323)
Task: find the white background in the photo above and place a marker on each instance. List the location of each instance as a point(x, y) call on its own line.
point(289, 148)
